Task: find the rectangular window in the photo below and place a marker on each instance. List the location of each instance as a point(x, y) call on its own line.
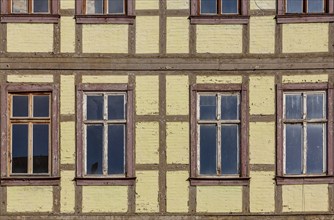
point(214, 7)
point(30, 6)
point(105, 7)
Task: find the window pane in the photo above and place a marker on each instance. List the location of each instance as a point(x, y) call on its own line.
point(116, 6)
point(20, 106)
point(41, 106)
point(229, 6)
point(208, 143)
point(293, 160)
point(95, 107)
point(315, 106)
point(230, 145)
point(116, 149)
point(294, 6)
point(208, 6)
point(315, 6)
point(229, 107)
point(41, 148)
point(20, 6)
point(94, 6)
point(293, 106)
point(315, 152)
point(20, 148)
point(116, 107)
point(41, 6)
point(94, 149)
point(207, 107)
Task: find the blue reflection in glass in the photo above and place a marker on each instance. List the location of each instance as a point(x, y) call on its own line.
point(41, 6)
point(94, 149)
point(229, 149)
point(294, 6)
point(94, 107)
point(116, 7)
point(315, 106)
point(208, 6)
point(207, 107)
point(230, 6)
point(208, 154)
point(20, 106)
point(41, 106)
point(315, 6)
point(116, 107)
point(20, 148)
point(293, 106)
point(40, 148)
point(116, 149)
point(293, 149)
point(229, 107)
point(315, 149)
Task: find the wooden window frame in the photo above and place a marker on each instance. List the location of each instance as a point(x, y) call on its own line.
point(197, 18)
point(283, 17)
point(31, 179)
point(243, 178)
point(282, 179)
point(83, 18)
point(81, 178)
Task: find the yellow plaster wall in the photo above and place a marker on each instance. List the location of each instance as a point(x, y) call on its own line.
point(177, 95)
point(23, 37)
point(177, 141)
point(67, 142)
point(67, 193)
point(177, 35)
point(219, 79)
point(219, 199)
point(292, 198)
point(262, 94)
point(30, 78)
point(104, 199)
point(147, 34)
point(177, 191)
point(178, 4)
point(303, 38)
point(67, 4)
point(219, 39)
point(105, 79)
point(262, 4)
point(262, 191)
point(29, 199)
point(67, 34)
point(105, 38)
point(147, 4)
point(147, 95)
point(147, 142)
point(67, 94)
point(304, 78)
point(262, 34)
point(262, 142)
point(147, 189)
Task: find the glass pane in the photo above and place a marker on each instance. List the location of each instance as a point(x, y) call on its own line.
point(40, 148)
point(116, 107)
point(229, 107)
point(41, 6)
point(207, 107)
point(20, 6)
point(20, 148)
point(315, 106)
point(20, 106)
point(315, 6)
point(208, 152)
point(230, 146)
point(293, 106)
point(116, 149)
point(95, 107)
point(94, 149)
point(41, 106)
point(208, 6)
point(230, 6)
point(293, 145)
point(315, 152)
point(294, 6)
point(94, 6)
point(116, 6)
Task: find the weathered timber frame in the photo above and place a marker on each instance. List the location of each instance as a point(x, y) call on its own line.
point(31, 17)
point(83, 18)
point(197, 18)
point(83, 179)
point(281, 178)
point(243, 178)
point(29, 179)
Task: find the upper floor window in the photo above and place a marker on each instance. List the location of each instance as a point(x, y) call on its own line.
point(105, 7)
point(305, 6)
point(30, 6)
point(219, 7)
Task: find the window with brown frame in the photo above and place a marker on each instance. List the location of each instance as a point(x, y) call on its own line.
point(45, 11)
point(105, 11)
point(219, 11)
point(105, 143)
point(304, 132)
point(30, 134)
point(219, 135)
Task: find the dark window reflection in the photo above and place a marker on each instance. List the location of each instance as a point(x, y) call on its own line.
point(20, 106)
point(40, 148)
point(229, 107)
point(41, 106)
point(41, 6)
point(208, 6)
point(229, 149)
point(208, 107)
point(116, 149)
point(94, 149)
point(116, 7)
point(315, 6)
point(208, 137)
point(293, 106)
point(20, 148)
point(94, 6)
point(115, 107)
point(95, 107)
point(230, 6)
point(294, 6)
point(315, 148)
point(315, 106)
point(293, 160)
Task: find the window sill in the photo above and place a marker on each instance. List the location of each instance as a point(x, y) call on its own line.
point(105, 19)
point(29, 18)
point(30, 181)
point(102, 181)
point(238, 181)
point(294, 180)
point(219, 19)
point(304, 18)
